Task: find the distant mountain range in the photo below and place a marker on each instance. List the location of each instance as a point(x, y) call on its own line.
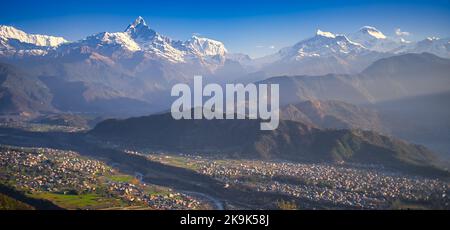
point(139, 48)
point(333, 115)
point(139, 37)
point(22, 94)
point(86, 86)
point(401, 95)
point(140, 66)
point(16, 43)
point(386, 79)
point(28, 95)
point(322, 54)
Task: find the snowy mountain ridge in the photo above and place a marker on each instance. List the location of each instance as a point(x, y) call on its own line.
point(138, 37)
point(15, 42)
point(9, 32)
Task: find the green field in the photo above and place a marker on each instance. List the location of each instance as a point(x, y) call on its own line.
point(120, 178)
point(157, 190)
point(83, 201)
point(178, 161)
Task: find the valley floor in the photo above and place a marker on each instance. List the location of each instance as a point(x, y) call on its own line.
point(339, 186)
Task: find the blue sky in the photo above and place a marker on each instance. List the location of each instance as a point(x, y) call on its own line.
point(253, 27)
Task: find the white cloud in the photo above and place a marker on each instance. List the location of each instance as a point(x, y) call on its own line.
point(272, 47)
point(399, 32)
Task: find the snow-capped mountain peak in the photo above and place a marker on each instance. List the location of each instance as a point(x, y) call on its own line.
point(432, 38)
point(9, 32)
point(372, 31)
point(324, 44)
point(17, 43)
point(138, 22)
point(373, 39)
point(434, 45)
point(140, 30)
point(119, 38)
point(325, 34)
point(138, 36)
point(205, 46)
